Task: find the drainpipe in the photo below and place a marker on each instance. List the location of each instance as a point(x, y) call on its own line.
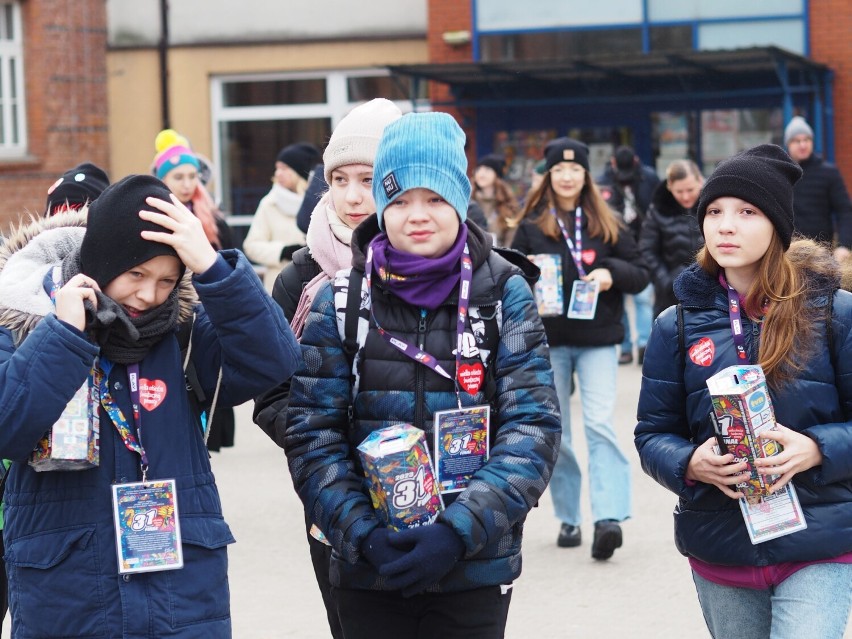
point(164, 62)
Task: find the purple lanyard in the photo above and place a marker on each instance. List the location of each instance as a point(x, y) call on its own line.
point(735, 315)
point(415, 353)
point(575, 247)
point(131, 441)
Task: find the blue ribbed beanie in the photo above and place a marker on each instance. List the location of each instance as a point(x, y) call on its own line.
point(422, 150)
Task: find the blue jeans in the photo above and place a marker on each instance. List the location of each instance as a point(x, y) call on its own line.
point(812, 603)
point(644, 305)
point(609, 469)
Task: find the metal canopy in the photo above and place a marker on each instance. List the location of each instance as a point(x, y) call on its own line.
point(673, 75)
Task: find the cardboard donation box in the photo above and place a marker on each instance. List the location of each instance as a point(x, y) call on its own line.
point(399, 471)
point(743, 410)
point(73, 442)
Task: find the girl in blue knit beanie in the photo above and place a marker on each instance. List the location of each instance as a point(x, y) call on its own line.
point(448, 333)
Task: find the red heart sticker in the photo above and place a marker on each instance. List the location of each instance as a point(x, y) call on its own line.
point(471, 377)
point(589, 256)
point(152, 392)
point(702, 352)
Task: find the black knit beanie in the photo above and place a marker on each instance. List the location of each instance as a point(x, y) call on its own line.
point(301, 157)
point(763, 176)
point(566, 150)
point(82, 184)
point(113, 242)
point(493, 161)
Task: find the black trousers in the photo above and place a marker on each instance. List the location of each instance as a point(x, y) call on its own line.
point(472, 614)
point(320, 558)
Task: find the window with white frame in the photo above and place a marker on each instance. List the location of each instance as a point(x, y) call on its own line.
point(13, 137)
point(255, 116)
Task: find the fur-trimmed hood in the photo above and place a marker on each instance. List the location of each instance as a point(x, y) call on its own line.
point(28, 254)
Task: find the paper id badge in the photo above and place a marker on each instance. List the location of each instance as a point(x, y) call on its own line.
point(461, 446)
point(147, 531)
point(584, 300)
point(548, 288)
point(773, 515)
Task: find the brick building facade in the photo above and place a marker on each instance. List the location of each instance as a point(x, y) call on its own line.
point(64, 63)
point(831, 44)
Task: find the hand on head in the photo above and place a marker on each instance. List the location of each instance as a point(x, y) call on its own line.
point(187, 236)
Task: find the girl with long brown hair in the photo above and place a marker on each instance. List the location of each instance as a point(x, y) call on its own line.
point(757, 296)
point(589, 260)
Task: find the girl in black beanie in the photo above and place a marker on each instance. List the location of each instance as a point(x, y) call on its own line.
point(757, 296)
point(90, 353)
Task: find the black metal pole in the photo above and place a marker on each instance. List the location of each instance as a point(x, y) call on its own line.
point(164, 62)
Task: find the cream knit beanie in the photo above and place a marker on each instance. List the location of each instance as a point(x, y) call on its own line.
point(356, 137)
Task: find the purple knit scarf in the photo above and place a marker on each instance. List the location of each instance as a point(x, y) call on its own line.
point(420, 281)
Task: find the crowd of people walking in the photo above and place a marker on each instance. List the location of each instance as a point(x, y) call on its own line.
point(410, 301)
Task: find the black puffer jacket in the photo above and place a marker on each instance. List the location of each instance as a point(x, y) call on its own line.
point(322, 434)
point(629, 275)
point(674, 402)
point(820, 201)
point(668, 242)
point(643, 185)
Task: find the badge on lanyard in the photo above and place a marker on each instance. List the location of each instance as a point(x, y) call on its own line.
point(584, 300)
point(584, 295)
point(461, 445)
point(548, 288)
point(147, 530)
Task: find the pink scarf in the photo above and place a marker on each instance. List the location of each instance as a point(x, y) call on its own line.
point(328, 241)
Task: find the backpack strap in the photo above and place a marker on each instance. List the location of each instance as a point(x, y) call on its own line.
point(195, 392)
point(353, 308)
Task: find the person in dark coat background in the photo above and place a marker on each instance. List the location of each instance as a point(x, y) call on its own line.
point(670, 236)
point(627, 186)
point(757, 296)
point(821, 202)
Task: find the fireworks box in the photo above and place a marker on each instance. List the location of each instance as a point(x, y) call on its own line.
point(743, 410)
point(401, 480)
point(73, 442)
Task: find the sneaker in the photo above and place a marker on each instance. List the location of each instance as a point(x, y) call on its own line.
point(607, 538)
point(569, 536)
point(641, 356)
point(625, 358)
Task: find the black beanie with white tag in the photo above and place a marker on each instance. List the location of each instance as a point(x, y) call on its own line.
point(763, 176)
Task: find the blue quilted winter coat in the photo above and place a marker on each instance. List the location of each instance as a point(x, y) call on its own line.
point(321, 446)
point(674, 402)
point(59, 533)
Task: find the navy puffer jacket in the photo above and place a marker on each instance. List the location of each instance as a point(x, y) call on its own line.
point(59, 532)
point(674, 402)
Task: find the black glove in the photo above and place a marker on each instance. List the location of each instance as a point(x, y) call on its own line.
point(287, 251)
point(430, 553)
point(377, 550)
